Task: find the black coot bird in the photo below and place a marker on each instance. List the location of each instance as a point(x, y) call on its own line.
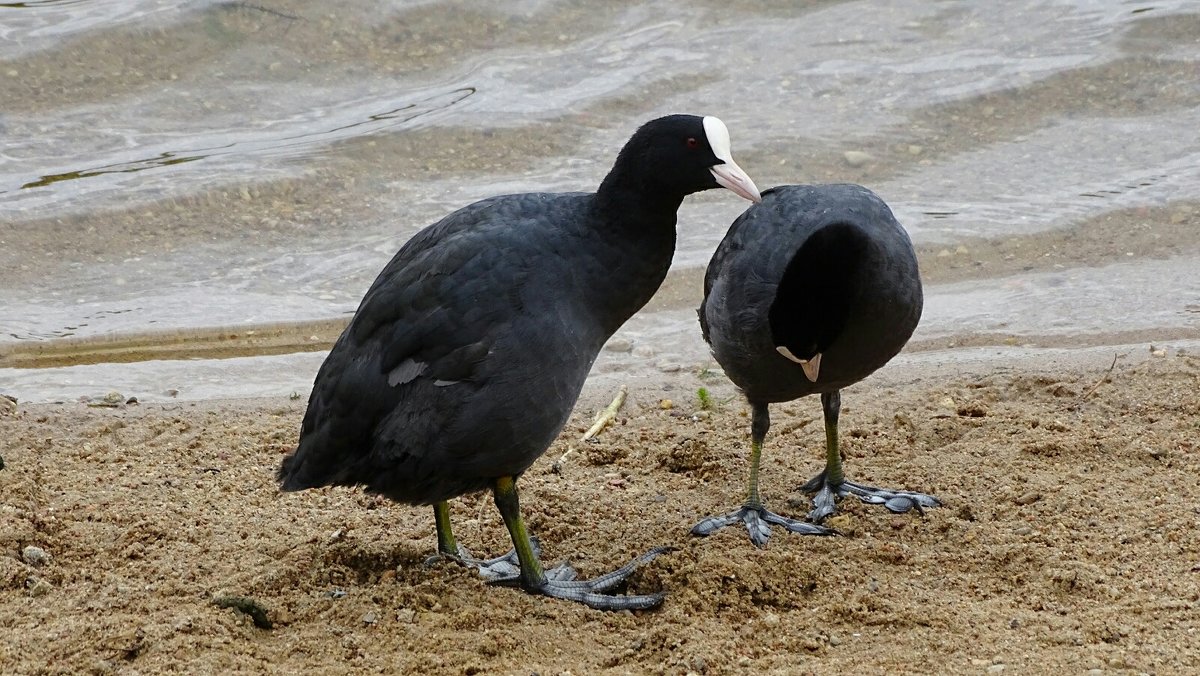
point(810, 291)
point(466, 355)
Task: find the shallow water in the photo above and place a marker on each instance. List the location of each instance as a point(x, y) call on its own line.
point(188, 169)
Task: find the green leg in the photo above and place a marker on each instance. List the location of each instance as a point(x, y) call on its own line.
point(831, 403)
point(753, 514)
point(504, 491)
point(561, 582)
point(445, 535)
point(760, 423)
point(831, 484)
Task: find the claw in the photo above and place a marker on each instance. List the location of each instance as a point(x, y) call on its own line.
point(561, 583)
point(760, 532)
point(713, 524)
point(756, 520)
point(898, 502)
point(496, 571)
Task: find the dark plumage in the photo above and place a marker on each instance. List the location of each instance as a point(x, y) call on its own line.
point(466, 355)
point(810, 291)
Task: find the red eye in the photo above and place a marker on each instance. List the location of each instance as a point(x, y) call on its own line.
point(692, 142)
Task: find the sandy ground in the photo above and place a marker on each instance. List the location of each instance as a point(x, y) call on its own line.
point(1067, 543)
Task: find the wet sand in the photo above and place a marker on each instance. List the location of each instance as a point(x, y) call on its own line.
point(1067, 541)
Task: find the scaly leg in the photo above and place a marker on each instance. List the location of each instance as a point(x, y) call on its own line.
point(831, 483)
point(498, 568)
point(752, 513)
point(560, 582)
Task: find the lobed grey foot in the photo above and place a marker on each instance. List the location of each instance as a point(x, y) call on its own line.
point(561, 583)
point(824, 502)
point(757, 520)
point(492, 570)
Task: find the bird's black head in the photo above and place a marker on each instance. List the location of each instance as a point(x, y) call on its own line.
point(678, 155)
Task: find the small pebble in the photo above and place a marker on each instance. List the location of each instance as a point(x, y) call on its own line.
point(406, 615)
point(666, 404)
point(1029, 498)
point(995, 668)
point(619, 345)
point(39, 588)
point(670, 367)
point(370, 618)
point(856, 158)
point(35, 556)
point(643, 351)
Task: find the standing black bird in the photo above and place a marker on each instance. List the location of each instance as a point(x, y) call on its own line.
point(810, 291)
point(466, 355)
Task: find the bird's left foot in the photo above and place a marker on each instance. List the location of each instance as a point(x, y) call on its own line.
point(757, 519)
point(560, 582)
point(492, 570)
point(895, 500)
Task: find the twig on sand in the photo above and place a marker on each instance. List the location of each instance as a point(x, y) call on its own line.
point(607, 415)
point(1103, 379)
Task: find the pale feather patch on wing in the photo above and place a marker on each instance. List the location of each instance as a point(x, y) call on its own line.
point(406, 372)
point(443, 383)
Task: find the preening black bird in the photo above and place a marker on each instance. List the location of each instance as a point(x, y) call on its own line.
point(810, 291)
point(466, 355)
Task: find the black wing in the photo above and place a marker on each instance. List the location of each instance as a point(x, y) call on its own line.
point(426, 322)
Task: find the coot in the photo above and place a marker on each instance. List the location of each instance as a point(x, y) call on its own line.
point(810, 291)
point(466, 355)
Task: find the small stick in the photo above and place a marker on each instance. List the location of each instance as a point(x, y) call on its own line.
point(607, 415)
point(1083, 397)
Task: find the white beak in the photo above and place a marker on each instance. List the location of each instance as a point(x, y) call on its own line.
point(730, 175)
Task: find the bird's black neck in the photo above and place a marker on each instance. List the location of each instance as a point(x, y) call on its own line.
point(637, 227)
point(633, 197)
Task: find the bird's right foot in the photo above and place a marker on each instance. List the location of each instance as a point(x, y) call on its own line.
point(492, 570)
point(896, 501)
point(757, 518)
point(560, 582)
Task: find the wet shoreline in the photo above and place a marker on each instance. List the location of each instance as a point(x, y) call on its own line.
point(251, 180)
